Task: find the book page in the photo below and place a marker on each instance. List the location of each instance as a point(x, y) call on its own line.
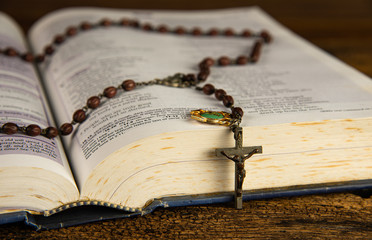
point(292, 82)
point(22, 102)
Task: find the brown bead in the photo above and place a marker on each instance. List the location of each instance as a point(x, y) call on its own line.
point(229, 32)
point(93, 102)
point(51, 132)
point(128, 85)
point(196, 31)
point(224, 61)
point(228, 101)
point(33, 130)
point(40, 58)
point(10, 52)
point(213, 32)
point(256, 51)
point(71, 31)
point(190, 78)
point(180, 30)
point(219, 94)
point(237, 111)
point(79, 116)
point(85, 26)
point(125, 22)
point(9, 128)
point(241, 60)
point(147, 27)
point(59, 39)
point(208, 89)
point(134, 23)
point(48, 50)
point(207, 62)
point(110, 92)
point(28, 57)
point(246, 33)
point(105, 22)
point(202, 76)
point(66, 129)
point(266, 36)
point(162, 29)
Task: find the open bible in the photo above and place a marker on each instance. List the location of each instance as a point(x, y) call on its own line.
point(311, 113)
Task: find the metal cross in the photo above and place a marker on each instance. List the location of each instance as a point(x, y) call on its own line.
point(238, 154)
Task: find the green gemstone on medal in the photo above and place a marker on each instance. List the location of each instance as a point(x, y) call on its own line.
point(212, 115)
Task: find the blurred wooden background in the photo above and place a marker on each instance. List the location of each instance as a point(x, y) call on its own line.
point(343, 29)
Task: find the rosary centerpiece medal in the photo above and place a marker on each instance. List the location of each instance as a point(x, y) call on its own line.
point(214, 117)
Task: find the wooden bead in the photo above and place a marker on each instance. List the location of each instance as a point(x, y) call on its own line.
point(246, 33)
point(40, 58)
point(85, 26)
point(71, 31)
point(237, 111)
point(208, 89)
point(229, 32)
point(196, 31)
point(213, 32)
point(105, 22)
point(93, 102)
point(128, 85)
point(79, 116)
point(48, 50)
point(33, 130)
point(58, 39)
point(256, 51)
point(110, 92)
point(219, 94)
point(147, 27)
point(9, 128)
point(134, 23)
point(28, 57)
point(206, 63)
point(51, 132)
point(266, 36)
point(180, 30)
point(228, 101)
point(162, 29)
point(11, 52)
point(202, 76)
point(66, 129)
point(125, 22)
point(241, 60)
point(224, 61)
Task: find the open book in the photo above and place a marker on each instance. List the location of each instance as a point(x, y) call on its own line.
point(311, 113)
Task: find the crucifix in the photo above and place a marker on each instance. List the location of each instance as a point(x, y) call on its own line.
point(238, 154)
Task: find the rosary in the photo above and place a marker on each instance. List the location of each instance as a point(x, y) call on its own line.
point(238, 154)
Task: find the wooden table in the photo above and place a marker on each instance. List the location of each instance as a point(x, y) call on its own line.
point(343, 29)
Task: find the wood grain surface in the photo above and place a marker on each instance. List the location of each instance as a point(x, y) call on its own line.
point(343, 29)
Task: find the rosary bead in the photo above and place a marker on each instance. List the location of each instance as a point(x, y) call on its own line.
point(128, 85)
point(79, 116)
point(106, 22)
point(180, 30)
point(28, 57)
point(66, 129)
point(246, 33)
point(125, 22)
point(256, 51)
point(162, 29)
point(224, 61)
point(93, 102)
point(40, 58)
point(241, 60)
point(33, 130)
point(147, 27)
point(196, 31)
point(85, 26)
point(71, 31)
point(203, 75)
point(58, 39)
point(208, 89)
point(190, 78)
point(266, 36)
point(11, 52)
point(51, 132)
point(48, 50)
point(219, 94)
point(207, 62)
point(9, 128)
point(228, 101)
point(229, 32)
point(237, 111)
point(110, 92)
point(134, 23)
point(213, 32)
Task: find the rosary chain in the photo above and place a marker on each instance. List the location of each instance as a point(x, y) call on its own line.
point(179, 80)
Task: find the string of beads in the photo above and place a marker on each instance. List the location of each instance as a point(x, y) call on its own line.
point(178, 80)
